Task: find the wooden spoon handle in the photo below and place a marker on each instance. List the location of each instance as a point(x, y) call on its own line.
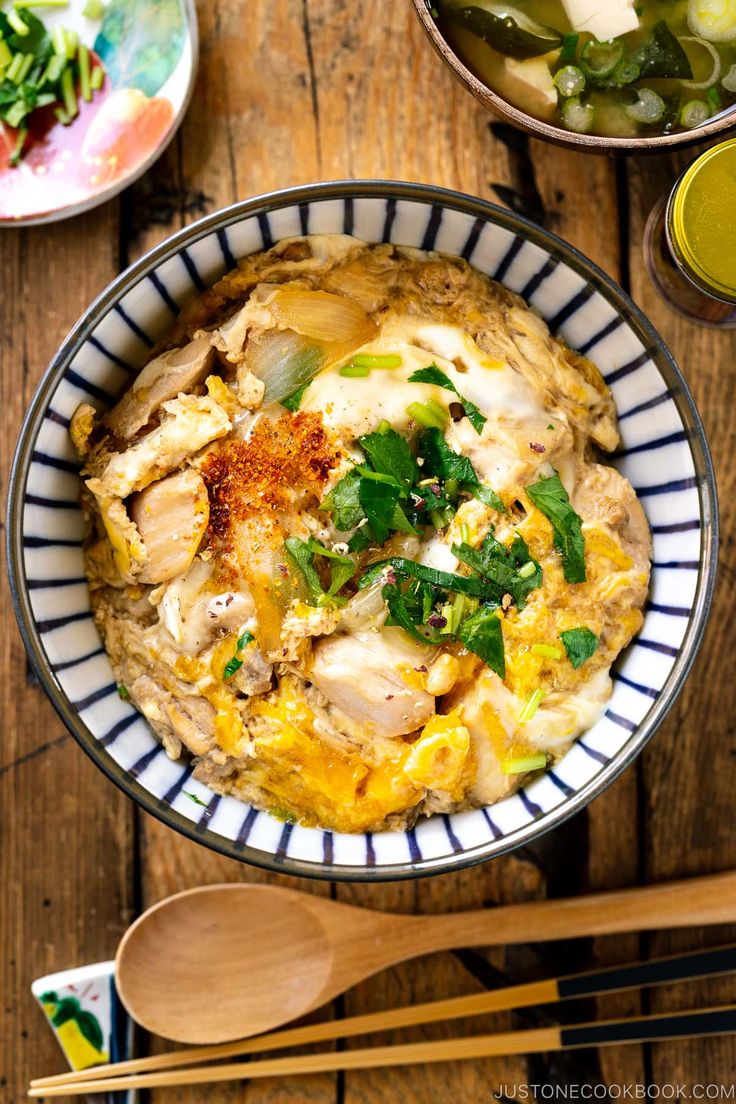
point(705, 900)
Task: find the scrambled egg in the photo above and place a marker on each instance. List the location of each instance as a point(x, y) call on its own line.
point(294, 688)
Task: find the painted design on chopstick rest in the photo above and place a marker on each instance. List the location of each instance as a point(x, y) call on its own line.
point(144, 54)
point(84, 1011)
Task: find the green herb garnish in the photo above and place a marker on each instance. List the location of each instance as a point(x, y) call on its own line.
point(524, 764)
point(38, 70)
point(550, 497)
point(342, 569)
point(507, 570)
point(235, 663)
point(580, 645)
point(193, 797)
point(293, 401)
point(123, 692)
point(433, 374)
point(481, 633)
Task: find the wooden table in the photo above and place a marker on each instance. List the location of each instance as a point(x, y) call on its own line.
point(292, 91)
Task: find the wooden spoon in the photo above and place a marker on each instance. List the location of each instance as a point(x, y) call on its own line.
point(227, 961)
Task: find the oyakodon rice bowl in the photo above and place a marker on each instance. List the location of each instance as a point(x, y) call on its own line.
point(349, 545)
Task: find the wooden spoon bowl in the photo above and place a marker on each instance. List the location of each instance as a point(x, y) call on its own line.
point(228, 961)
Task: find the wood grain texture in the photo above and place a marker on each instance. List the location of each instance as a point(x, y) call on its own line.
point(291, 91)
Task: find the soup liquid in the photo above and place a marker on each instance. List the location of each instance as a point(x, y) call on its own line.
point(610, 117)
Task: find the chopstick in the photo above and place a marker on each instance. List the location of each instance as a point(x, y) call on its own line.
point(674, 1025)
point(658, 971)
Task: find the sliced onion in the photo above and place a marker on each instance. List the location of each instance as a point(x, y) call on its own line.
point(366, 609)
point(285, 361)
point(325, 317)
point(717, 65)
point(729, 81)
point(712, 19)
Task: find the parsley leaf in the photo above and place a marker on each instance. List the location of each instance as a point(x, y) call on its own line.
point(501, 566)
point(550, 497)
point(343, 502)
point(580, 645)
point(481, 633)
point(293, 401)
point(342, 568)
point(400, 615)
point(435, 375)
point(440, 460)
point(460, 584)
point(303, 558)
point(193, 797)
point(485, 495)
point(234, 663)
point(389, 454)
point(379, 502)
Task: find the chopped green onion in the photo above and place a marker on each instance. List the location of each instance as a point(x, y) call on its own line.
point(547, 650)
point(53, 70)
point(6, 55)
point(569, 47)
point(423, 415)
point(694, 113)
point(464, 533)
point(524, 765)
point(714, 98)
point(97, 78)
point(72, 41)
point(14, 68)
point(58, 38)
point(18, 24)
point(530, 707)
point(577, 116)
point(375, 360)
point(93, 9)
point(570, 80)
point(26, 64)
point(84, 74)
point(599, 59)
point(354, 371)
point(626, 72)
point(15, 115)
point(123, 692)
point(447, 613)
point(438, 409)
point(68, 93)
point(61, 116)
point(648, 109)
point(527, 570)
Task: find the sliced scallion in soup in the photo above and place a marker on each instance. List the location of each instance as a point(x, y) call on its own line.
point(618, 68)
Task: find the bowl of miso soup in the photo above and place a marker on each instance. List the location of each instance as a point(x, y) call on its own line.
point(603, 74)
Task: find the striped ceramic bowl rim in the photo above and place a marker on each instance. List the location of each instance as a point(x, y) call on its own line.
point(664, 453)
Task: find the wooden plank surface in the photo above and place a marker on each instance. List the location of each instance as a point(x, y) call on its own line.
point(291, 91)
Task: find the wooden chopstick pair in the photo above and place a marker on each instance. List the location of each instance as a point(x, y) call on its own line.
point(171, 1069)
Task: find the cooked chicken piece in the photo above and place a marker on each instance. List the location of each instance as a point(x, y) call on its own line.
point(182, 720)
point(171, 516)
point(254, 677)
point(603, 494)
point(561, 377)
point(81, 427)
point(487, 711)
point(250, 388)
point(162, 378)
point(194, 611)
point(130, 552)
point(191, 422)
point(367, 675)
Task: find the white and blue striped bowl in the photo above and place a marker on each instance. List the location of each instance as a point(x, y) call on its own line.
point(664, 454)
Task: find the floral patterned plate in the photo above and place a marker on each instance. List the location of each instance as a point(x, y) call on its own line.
point(149, 54)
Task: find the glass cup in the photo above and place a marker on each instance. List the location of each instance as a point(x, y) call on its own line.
point(690, 240)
